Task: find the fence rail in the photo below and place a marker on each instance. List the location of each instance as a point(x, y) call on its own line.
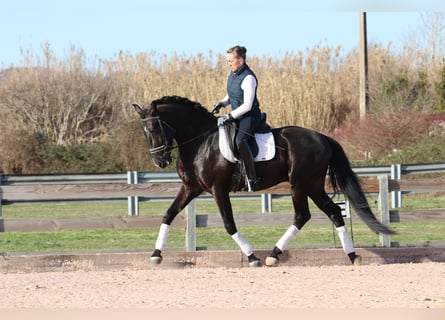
point(149, 179)
point(159, 185)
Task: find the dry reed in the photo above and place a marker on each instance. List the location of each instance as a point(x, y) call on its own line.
point(72, 100)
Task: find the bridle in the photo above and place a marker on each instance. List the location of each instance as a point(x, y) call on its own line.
point(165, 148)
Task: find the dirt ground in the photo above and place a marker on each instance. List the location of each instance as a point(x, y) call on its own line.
point(417, 285)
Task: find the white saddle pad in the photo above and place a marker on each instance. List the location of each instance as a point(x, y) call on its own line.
point(265, 141)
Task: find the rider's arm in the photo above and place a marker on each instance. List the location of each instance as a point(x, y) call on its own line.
point(248, 85)
point(225, 101)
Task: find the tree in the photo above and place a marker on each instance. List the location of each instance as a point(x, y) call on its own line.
point(64, 101)
point(429, 39)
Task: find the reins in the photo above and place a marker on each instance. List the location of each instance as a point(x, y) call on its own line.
point(165, 146)
point(195, 138)
point(164, 137)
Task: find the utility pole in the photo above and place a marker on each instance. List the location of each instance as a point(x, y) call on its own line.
point(363, 61)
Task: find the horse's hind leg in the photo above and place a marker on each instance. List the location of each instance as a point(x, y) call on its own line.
point(333, 211)
point(302, 215)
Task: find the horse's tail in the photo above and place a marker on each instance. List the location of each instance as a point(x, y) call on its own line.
point(341, 175)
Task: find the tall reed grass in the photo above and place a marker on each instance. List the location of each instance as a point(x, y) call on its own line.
point(73, 100)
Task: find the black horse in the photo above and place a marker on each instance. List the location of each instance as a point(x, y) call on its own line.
point(302, 158)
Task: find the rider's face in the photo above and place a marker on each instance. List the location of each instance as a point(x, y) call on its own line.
point(234, 62)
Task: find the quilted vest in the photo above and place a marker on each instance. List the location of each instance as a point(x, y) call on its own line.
point(234, 90)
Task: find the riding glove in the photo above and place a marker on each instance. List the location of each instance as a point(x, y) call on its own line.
point(217, 107)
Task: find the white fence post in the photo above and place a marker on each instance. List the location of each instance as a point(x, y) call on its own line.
point(1, 197)
point(190, 232)
point(396, 196)
point(133, 201)
point(385, 240)
point(266, 202)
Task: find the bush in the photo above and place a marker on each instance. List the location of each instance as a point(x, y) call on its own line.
point(87, 158)
point(31, 153)
point(427, 150)
point(20, 151)
point(394, 138)
point(130, 145)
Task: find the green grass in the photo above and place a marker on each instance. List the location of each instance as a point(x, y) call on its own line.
point(262, 238)
point(203, 206)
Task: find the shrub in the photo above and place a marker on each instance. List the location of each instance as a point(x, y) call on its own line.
point(390, 136)
point(20, 151)
point(87, 158)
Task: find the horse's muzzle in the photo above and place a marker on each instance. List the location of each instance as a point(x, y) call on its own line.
point(162, 162)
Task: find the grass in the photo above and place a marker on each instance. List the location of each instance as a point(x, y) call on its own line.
point(264, 237)
point(203, 206)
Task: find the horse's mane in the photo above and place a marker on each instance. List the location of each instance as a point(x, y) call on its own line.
point(183, 101)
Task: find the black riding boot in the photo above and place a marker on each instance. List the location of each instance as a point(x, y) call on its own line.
point(249, 164)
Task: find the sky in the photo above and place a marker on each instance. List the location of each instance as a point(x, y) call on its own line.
point(188, 27)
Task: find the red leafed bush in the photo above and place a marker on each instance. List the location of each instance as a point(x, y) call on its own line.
point(384, 133)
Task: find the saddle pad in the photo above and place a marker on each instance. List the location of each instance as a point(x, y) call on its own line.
point(265, 141)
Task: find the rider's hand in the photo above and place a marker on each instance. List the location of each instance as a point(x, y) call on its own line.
point(226, 119)
point(217, 107)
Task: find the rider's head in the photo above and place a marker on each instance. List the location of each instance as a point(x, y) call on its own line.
point(236, 57)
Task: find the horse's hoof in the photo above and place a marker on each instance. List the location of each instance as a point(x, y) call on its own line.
point(254, 264)
point(154, 261)
point(253, 261)
point(357, 260)
point(271, 261)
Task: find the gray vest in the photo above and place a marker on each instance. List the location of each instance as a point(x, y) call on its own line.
point(236, 94)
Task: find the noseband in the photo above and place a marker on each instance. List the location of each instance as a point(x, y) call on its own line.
point(164, 147)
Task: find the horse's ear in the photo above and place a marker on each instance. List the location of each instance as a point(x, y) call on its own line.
point(138, 109)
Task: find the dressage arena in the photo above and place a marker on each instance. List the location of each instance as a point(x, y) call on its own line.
point(318, 278)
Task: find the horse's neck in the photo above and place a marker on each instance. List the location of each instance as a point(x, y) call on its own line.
point(191, 127)
point(194, 140)
point(194, 135)
point(190, 130)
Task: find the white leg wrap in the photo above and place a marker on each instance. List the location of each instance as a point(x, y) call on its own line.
point(245, 247)
point(287, 237)
point(345, 240)
point(162, 236)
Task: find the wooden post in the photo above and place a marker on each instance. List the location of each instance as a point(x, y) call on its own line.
point(385, 240)
point(363, 61)
point(190, 232)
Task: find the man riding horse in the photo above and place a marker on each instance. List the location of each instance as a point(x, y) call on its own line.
point(241, 95)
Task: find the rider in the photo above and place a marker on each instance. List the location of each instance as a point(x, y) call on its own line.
point(241, 95)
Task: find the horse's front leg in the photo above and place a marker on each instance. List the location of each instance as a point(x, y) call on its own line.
point(183, 198)
point(225, 207)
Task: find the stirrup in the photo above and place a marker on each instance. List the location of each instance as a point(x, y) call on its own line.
point(252, 184)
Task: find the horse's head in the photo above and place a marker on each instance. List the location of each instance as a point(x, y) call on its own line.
point(158, 133)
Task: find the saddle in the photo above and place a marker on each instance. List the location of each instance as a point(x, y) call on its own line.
point(262, 144)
